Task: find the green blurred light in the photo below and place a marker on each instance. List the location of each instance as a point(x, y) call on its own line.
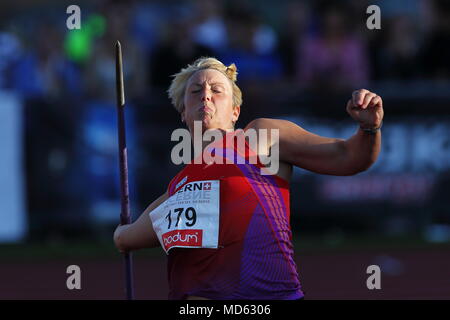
point(96, 25)
point(78, 43)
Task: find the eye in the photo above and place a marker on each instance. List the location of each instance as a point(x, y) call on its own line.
point(195, 91)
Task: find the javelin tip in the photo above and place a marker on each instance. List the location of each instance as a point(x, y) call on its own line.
point(119, 76)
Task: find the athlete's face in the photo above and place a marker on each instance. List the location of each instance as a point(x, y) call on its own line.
point(209, 98)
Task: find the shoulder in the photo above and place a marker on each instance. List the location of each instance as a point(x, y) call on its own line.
point(267, 123)
point(265, 146)
point(285, 128)
point(275, 130)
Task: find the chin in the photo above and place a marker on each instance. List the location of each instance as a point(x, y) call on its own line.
point(207, 124)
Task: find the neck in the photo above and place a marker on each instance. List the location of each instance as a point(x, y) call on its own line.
point(202, 138)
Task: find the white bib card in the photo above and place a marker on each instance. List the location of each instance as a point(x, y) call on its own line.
point(190, 217)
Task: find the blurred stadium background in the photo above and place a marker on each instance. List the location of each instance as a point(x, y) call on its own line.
point(297, 60)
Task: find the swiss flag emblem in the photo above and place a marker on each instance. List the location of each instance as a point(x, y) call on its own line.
point(207, 186)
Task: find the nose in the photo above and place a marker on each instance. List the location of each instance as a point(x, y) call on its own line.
point(206, 95)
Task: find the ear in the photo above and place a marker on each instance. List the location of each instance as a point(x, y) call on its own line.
point(236, 113)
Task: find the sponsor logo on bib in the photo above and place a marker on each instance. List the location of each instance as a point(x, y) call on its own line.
point(185, 238)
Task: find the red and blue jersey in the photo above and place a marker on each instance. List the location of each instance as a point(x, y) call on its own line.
point(255, 256)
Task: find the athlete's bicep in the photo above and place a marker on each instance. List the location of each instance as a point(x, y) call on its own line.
point(305, 149)
point(310, 151)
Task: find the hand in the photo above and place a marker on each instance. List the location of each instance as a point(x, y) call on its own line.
point(366, 108)
point(118, 238)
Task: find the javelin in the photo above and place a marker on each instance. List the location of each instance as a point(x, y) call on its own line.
point(125, 217)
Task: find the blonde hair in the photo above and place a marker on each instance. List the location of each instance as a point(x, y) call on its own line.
point(178, 86)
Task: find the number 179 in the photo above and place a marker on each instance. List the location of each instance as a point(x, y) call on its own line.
point(190, 214)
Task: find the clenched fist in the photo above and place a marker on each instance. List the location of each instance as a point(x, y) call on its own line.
point(366, 108)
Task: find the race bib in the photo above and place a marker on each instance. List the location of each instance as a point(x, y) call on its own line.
point(190, 217)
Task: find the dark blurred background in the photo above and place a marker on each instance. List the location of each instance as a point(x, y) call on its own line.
point(297, 60)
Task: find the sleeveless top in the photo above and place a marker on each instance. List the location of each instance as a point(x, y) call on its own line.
point(255, 256)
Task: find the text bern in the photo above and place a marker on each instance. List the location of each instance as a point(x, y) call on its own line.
point(194, 191)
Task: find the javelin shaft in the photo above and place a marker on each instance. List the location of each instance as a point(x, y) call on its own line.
point(125, 217)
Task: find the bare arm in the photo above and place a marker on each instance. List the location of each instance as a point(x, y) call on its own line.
point(331, 156)
point(139, 234)
point(362, 150)
point(305, 149)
